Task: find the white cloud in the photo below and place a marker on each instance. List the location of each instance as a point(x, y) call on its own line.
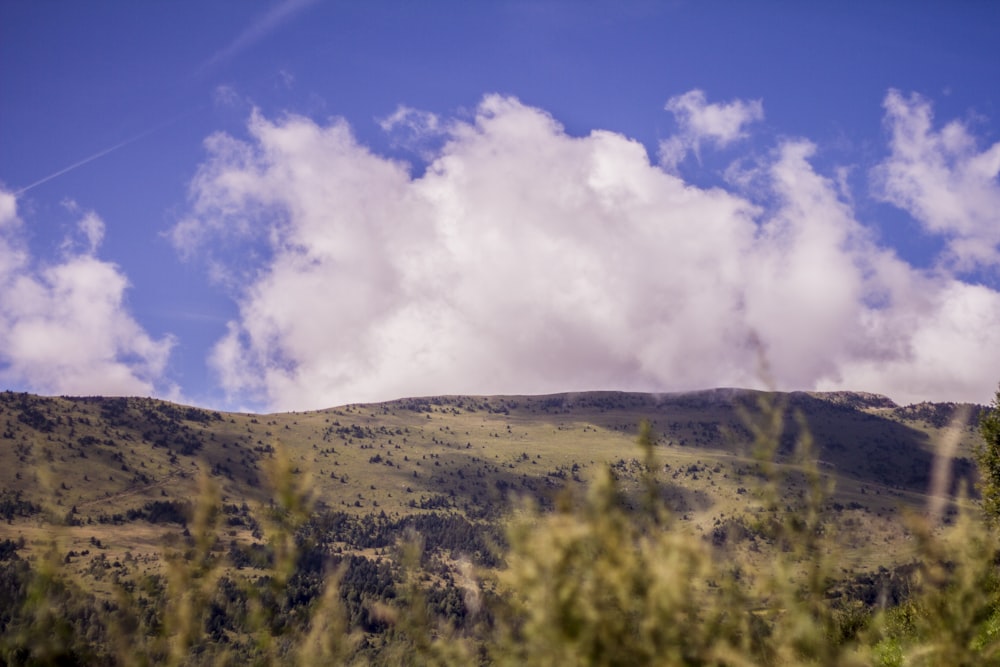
point(525, 260)
point(835, 311)
point(415, 120)
point(90, 228)
point(225, 95)
point(8, 209)
point(64, 327)
point(697, 120)
point(12, 253)
point(414, 130)
point(943, 180)
point(943, 344)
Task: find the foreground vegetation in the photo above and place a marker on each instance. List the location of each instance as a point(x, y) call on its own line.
point(604, 570)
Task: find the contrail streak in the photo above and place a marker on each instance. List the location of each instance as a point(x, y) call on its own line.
point(100, 154)
point(78, 164)
point(255, 32)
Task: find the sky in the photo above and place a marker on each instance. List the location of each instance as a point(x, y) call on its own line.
point(295, 204)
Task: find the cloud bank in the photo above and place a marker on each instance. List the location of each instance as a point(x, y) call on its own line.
point(526, 260)
point(64, 326)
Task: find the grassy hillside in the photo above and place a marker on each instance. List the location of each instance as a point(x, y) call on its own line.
point(110, 494)
point(115, 465)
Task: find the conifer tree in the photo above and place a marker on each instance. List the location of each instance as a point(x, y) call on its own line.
point(988, 458)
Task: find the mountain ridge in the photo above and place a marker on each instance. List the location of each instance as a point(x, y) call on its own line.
point(869, 399)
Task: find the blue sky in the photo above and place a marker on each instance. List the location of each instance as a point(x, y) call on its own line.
point(295, 204)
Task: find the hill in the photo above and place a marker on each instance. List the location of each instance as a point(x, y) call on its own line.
point(117, 461)
point(115, 495)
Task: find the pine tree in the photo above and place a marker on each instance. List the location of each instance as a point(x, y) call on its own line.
point(988, 458)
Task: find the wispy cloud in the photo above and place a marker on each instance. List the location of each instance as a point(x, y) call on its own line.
point(699, 120)
point(257, 30)
point(527, 260)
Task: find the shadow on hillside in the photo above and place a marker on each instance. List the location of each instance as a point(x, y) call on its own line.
point(872, 448)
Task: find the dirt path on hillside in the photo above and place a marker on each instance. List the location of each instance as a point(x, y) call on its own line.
point(135, 489)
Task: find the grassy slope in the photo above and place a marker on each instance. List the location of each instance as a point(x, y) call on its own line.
point(103, 457)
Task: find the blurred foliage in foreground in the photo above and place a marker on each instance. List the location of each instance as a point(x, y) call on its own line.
point(611, 578)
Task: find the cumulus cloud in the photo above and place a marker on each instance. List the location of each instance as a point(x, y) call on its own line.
point(943, 180)
point(525, 260)
point(64, 326)
point(698, 121)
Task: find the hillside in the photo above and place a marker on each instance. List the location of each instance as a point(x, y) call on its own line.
point(107, 461)
point(107, 492)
